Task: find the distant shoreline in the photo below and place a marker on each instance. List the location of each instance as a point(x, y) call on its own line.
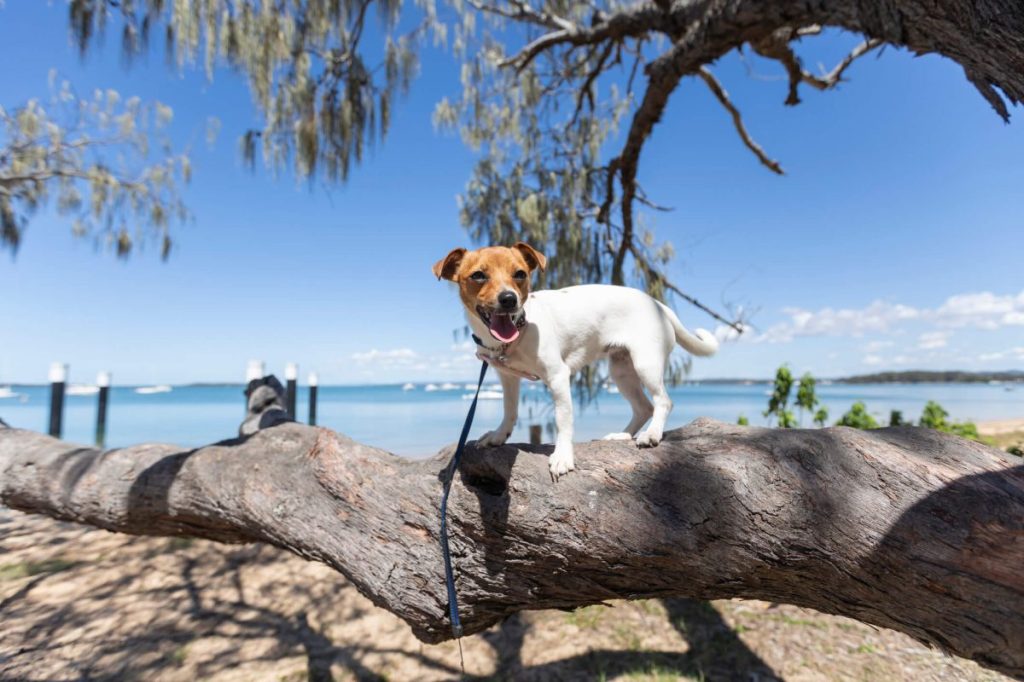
point(936, 377)
point(905, 377)
point(1011, 377)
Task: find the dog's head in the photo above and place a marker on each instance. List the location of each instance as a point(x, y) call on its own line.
point(493, 284)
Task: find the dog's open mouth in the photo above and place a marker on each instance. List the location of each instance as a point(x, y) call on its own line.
point(503, 326)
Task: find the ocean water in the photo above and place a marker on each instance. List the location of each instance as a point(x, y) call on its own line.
point(419, 422)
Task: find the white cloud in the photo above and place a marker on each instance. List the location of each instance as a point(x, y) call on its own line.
point(724, 333)
point(872, 360)
point(1016, 353)
point(398, 356)
point(875, 346)
point(933, 340)
point(879, 316)
point(983, 310)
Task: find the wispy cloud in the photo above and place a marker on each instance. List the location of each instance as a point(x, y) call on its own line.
point(983, 310)
point(875, 346)
point(878, 317)
point(405, 363)
point(1016, 353)
point(397, 356)
point(933, 340)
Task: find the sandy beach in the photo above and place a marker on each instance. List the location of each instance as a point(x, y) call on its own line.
point(1003, 432)
point(1001, 427)
point(81, 603)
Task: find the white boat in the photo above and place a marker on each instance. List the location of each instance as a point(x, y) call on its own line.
point(6, 392)
point(612, 388)
point(409, 386)
point(81, 389)
point(485, 395)
point(150, 390)
point(448, 386)
point(431, 387)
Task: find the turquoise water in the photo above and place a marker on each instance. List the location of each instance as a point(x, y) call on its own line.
point(418, 422)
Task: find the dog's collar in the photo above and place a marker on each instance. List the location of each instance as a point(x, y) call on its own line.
point(499, 356)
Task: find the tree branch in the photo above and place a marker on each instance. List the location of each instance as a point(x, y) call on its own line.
point(904, 528)
point(737, 120)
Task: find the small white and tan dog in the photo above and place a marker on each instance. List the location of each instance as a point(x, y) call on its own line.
point(547, 335)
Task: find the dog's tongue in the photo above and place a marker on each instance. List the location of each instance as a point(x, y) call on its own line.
point(503, 329)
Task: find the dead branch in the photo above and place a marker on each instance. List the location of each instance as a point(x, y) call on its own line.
point(737, 120)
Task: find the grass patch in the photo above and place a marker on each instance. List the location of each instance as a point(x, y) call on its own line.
point(650, 607)
point(803, 622)
point(627, 637)
point(179, 655)
point(25, 569)
point(586, 618)
point(653, 672)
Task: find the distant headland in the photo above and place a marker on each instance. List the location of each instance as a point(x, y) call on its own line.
point(931, 377)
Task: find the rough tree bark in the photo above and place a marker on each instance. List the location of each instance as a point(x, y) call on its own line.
point(905, 528)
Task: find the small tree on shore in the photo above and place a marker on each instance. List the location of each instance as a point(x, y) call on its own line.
point(806, 398)
point(778, 403)
point(858, 418)
point(821, 416)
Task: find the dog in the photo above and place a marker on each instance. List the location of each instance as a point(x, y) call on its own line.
point(548, 335)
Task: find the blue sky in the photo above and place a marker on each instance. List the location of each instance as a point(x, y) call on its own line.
point(893, 242)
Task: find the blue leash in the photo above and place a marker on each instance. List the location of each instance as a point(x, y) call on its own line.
point(453, 465)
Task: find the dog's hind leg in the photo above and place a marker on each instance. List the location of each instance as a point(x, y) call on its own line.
point(651, 370)
point(620, 368)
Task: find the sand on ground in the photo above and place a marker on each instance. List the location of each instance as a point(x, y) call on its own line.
point(1001, 426)
point(1003, 432)
point(80, 603)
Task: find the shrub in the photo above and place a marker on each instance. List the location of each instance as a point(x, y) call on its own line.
point(858, 417)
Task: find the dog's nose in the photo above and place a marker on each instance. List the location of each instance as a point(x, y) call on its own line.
point(508, 300)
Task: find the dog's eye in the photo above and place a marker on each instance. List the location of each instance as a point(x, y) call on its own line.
point(479, 277)
point(519, 274)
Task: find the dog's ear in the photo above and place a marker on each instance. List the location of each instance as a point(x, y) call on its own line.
point(447, 266)
point(534, 258)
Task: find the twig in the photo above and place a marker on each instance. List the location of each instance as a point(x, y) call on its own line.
point(737, 120)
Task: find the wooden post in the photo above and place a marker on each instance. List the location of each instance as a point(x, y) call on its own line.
point(58, 377)
point(291, 377)
point(535, 434)
point(254, 370)
point(313, 380)
point(103, 381)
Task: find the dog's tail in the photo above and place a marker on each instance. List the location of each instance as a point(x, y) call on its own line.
point(700, 342)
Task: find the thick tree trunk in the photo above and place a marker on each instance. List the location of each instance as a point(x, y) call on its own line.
point(905, 528)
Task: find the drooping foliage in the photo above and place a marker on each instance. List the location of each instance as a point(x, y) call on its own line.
point(323, 93)
point(103, 161)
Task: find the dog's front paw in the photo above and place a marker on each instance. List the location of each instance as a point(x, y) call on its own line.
point(646, 439)
point(493, 438)
point(561, 462)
